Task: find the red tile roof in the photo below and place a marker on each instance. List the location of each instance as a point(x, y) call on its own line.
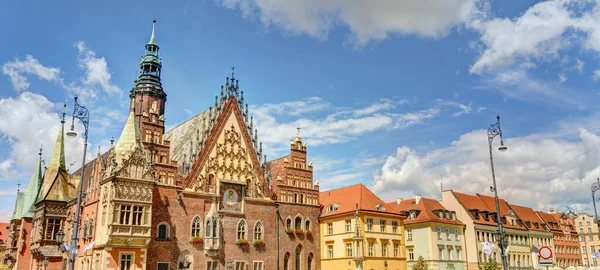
point(349, 197)
point(426, 207)
point(3, 233)
point(550, 220)
point(482, 204)
point(528, 216)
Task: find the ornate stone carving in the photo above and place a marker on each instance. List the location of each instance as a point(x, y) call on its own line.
point(133, 191)
point(231, 160)
point(136, 166)
point(107, 164)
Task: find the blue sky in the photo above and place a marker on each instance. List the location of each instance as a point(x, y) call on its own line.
point(395, 95)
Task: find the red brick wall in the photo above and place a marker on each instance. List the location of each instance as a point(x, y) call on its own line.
point(24, 257)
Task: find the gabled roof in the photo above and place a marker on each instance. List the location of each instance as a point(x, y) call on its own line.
point(482, 204)
point(550, 220)
point(530, 219)
point(348, 198)
point(426, 207)
point(191, 130)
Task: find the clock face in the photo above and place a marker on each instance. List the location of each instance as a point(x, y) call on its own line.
point(230, 197)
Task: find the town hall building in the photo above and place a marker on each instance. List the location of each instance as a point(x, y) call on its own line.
point(199, 196)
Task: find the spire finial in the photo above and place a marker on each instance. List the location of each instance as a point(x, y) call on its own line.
point(64, 112)
point(232, 72)
point(152, 39)
point(298, 137)
point(112, 141)
point(41, 148)
point(19, 186)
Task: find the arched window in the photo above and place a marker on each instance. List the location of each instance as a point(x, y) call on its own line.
point(163, 232)
point(298, 253)
point(288, 223)
point(301, 198)
point(214, 228)
point(241, 230)
point(298, 223)
point(309, 262)
point(258, 231)
point(307, 225)
point(286, 261)
point(196, 226)
point(208, 227)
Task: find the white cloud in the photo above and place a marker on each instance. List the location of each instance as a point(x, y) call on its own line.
point(17, 69)
point(529, 173)
point(6, 170)
point(596, 75)
point(462, 108)
point(562, 77)
point(96, 72)
point(579, 65)
point(28, 121)
point(331, 125)
point(365, 21)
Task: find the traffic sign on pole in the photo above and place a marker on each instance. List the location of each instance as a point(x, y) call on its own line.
point(545, 256)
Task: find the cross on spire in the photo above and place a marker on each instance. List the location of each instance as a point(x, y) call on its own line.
point(298, 127)
point(64, 112)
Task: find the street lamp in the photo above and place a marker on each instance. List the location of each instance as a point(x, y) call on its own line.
point(493, 131)
point(59, 237)
point(229, 265)
point(81, 113)
point(46, 260)
point(595, 187)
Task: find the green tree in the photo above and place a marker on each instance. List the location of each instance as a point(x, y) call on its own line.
point(490, 265)
point(420, 265)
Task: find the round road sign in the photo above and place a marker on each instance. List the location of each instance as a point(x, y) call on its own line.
point(545, 253)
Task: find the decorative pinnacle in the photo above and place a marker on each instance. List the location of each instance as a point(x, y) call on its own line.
point(152, 39)
point(232, 72)
point(112, 141)
point(41, 147)
point(64, 112)
point(19, 186)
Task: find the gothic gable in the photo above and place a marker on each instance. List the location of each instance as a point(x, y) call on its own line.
point(136, 166)
point(228, 155)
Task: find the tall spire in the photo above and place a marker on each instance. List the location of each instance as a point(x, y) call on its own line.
point(57, 161)
point(128, 139)
point(33, 188)
point(152, 40)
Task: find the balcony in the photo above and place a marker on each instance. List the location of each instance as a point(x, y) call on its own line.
point(212, 246)
point(358, 258)
point(130, 231)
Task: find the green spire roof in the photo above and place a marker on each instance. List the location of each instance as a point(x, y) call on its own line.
point(55, 186)
point(152, 40)
point(33, 189)
point(128, 139)
point(18, 207)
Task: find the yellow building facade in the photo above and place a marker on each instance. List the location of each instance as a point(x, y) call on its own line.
point(589, 240)
point(360, 232)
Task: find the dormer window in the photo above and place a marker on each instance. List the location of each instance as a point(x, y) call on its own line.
point(332, 208)
point(528, 224)
point(413, 214)
point(380, 207)
point(544, 226)
point(537, 226)
point(475, 214)
point(485, 215)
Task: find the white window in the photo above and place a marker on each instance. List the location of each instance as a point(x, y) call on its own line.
point(240, 265)
point(348, 249)
point(409, 235)
point(241, 230)
point(439, 233)
point(441, 253)
point(196, 226)
point(447, 234)
point(330, 228)
point(383, 249)
point(396, 250)
point(138, 212)
point(212, 265)
point(456, 237)
point(371, 249)
point(382, 225)
point(449, 253)
point(258, 231)
point(348, 225)
point(330, 252)
point(126, 261)
point(369, 224)
point(258, 265)
point(411, 254)
point(394, 226)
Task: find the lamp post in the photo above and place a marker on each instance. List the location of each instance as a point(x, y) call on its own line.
point(81, 113)
point(595, 187)
point(46, 261)
point(493, 131)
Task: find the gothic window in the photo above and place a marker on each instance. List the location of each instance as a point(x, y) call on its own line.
point(309, 262)
point(85, 229)
point(91, 228)
point(301, 198)
point(196, 226)
point(295, 197)
point(214, 228)
point(258, 231)
point(208, 227)
point(298, 253)
point(138, 211)
point(298, 222)
point(211, 182)
point(307, 225)
point(286, 262)
point(163, 232)
point(52, 227)
point(288, 223)
point(103, 214)
point(241, 230)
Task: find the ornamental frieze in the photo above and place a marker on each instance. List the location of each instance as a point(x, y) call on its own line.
point(133, 191)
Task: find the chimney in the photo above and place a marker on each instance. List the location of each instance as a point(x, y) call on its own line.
point(417, 198)
point(551, 211)
point(398, 201)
